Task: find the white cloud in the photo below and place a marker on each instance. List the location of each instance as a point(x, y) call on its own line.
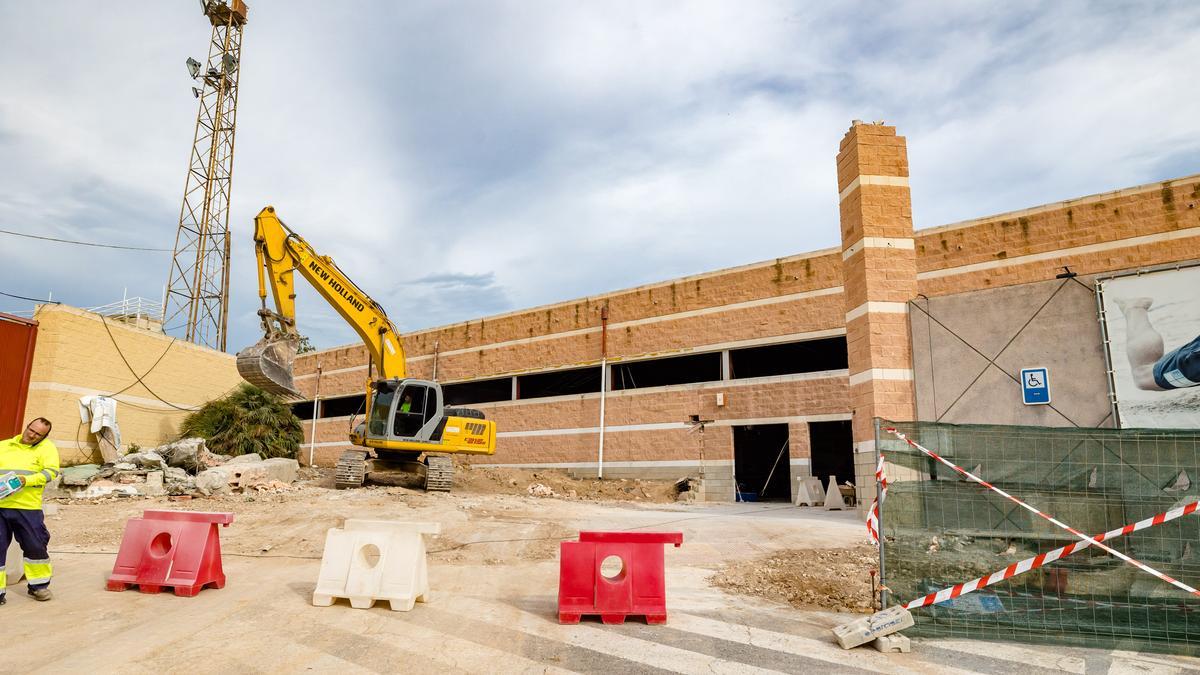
point(464, 159)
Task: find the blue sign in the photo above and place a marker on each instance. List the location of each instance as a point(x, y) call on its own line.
point(1035, 386)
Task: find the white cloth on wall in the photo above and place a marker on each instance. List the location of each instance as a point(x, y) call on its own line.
point(101, 412)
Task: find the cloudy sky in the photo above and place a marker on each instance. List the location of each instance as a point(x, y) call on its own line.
point(467, 158)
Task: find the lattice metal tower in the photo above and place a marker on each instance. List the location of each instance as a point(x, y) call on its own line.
point(197, 298)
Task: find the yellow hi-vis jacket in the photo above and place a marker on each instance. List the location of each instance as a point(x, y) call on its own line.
point(38, 464)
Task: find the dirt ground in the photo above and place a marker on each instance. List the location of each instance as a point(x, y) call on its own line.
point(824, 578)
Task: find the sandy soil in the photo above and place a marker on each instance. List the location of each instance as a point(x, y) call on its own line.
point(837, 578)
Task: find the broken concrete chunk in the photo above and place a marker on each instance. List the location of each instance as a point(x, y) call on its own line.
point(213, 481)
point(190, 453)
point(250, 458)
point(104, 488)
point(149, 460)
point(866, 629)
point(539, 490)
point(80, 475)
point(125, 466)
point(274, 470)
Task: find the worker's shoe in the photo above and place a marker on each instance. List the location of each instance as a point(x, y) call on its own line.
point(3, 600)
point(40, 594)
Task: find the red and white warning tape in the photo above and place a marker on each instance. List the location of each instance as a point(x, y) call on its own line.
point(873, 515)
point(1085, 538)
point(1048, 557)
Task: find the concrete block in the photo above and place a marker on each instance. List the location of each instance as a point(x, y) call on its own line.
point(370, 560)
point(809, 491)
point(833, 497)
point(154, 484)
point(257, 473)
point(249, 458)
point(893, 643)
point(214, 481)
point(879, 624)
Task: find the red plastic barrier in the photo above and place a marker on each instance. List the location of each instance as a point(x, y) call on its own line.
point(177, 549)
point(638, 588)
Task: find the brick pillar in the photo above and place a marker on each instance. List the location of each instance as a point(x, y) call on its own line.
point(879, 277)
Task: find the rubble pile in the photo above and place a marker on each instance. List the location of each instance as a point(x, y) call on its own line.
point(185, 467)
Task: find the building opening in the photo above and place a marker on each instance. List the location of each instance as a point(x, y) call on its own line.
point(761, 464)
point(832, 446)
point(808, 356)
point(478, 391)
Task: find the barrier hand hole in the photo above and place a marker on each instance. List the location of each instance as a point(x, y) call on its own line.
point(161, 544)
point(612, 567)
point(370, 555)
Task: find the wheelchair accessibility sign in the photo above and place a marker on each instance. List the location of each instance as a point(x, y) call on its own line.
point(1035, 386)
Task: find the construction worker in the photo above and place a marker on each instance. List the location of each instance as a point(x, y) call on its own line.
point(34, 459)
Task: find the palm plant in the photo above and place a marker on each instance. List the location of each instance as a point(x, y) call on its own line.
point(248, 420)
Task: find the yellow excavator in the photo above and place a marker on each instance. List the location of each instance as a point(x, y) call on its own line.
point(408, 426)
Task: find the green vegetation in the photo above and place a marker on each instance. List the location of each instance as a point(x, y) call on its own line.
point(245, 421)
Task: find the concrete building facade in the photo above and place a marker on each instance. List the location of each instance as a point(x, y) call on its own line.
point(789, 360)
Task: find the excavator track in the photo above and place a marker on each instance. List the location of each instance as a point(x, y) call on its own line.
point(439, 473)
point(351, 470)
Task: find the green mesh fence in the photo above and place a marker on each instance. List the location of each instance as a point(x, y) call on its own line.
point(940, 529)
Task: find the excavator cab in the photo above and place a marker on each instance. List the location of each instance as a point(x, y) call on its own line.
point(405, 410)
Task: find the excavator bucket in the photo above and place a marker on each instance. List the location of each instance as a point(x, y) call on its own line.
point(268, 365)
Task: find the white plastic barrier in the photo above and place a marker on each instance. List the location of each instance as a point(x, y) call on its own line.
point(833, 497)
point(370, 560)
point(809, 491)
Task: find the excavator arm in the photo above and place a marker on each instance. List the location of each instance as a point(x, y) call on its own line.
point(281, 253)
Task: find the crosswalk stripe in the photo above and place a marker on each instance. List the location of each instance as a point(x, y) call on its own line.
point(1009, 652)
point(590, 637)
point(865, 658)
point(460, 653)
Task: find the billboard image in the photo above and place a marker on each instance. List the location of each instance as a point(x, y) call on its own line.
point(1153, 325)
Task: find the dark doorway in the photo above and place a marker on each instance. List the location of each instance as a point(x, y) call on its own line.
point(832, 451)
point(761, 463)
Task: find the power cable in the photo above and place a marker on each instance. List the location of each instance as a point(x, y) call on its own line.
point(130, 367)
point(21, 297)
point(147, 373)
point(85, 243)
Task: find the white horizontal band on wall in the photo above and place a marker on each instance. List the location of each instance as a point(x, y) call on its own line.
point(120, 398)
point(896, 374)
point(880, 307)
point(1059, 254)
point(878, 242)
point(864, 446)
point(893, 181)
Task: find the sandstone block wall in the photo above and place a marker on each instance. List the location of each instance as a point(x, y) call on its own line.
point(75, 357)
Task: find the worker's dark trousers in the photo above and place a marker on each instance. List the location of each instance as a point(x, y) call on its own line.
point(29, 527)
